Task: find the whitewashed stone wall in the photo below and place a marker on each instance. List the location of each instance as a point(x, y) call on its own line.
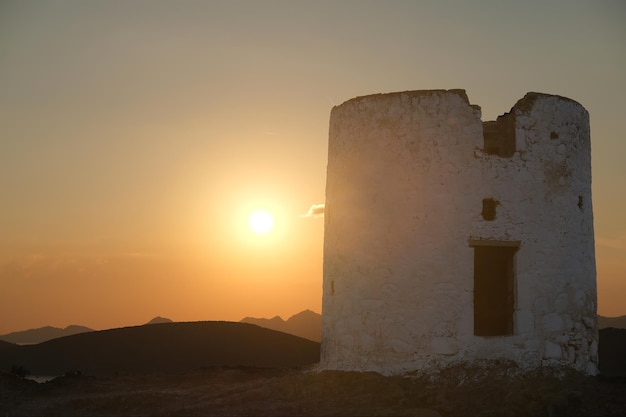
point(407, 175)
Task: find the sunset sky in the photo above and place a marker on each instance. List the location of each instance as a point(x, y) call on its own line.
point(136, 138)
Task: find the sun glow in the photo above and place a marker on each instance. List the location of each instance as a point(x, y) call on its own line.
point(261, 222)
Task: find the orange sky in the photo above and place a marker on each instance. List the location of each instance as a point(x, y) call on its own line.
point(136, 137)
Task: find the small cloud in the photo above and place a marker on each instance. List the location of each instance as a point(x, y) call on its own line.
point(315, 211)
point(101, 261)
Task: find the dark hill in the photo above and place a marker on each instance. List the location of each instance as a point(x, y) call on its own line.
point(42, 334)
point(612, 352)
point(307, 324)
point(167, 347)
point(6, 345)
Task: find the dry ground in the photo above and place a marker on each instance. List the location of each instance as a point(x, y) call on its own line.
point(306, 392)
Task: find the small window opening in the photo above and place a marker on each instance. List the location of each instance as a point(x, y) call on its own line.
point(494, 281)
point(554, 135)
point(489, 209)
point(499, 136)
point(580, 202)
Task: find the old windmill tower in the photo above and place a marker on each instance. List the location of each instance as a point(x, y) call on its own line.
point(450, 240)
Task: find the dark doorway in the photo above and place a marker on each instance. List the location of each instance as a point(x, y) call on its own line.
point(493, 290)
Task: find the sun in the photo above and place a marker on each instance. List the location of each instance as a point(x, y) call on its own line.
point(261, 222)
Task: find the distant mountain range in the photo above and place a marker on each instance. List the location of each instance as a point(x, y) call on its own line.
point(307, 324)
point(43, 334)
point(616, 322)
point(159, 320)
point(33, 336)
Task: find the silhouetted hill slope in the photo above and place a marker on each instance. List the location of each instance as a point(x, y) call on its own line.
point(6, 345)
point(43, 334)
point(167, 347)
point(617, 322)
point(307, 324)
point(612, 352)
point(159, 319)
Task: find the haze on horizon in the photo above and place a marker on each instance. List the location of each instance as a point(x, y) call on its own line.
point(137, 138)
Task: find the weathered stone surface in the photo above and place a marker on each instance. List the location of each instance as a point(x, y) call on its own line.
point(552, 351)
point(552, 323)
point(416, 183)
